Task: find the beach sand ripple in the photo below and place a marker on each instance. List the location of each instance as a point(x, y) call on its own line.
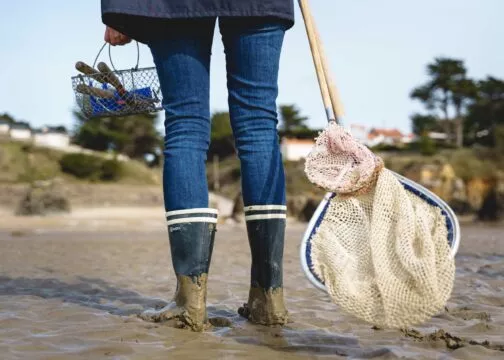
point(74, 292)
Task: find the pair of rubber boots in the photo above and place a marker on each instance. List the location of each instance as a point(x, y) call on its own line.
point(192, 233)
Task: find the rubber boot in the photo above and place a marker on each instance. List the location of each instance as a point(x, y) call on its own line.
point(266, 232)
point(191, 234)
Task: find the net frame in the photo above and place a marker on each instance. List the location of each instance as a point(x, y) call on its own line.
point(449, 228)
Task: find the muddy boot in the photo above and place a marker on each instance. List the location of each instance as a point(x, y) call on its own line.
point(191, 233)
point(266, 231)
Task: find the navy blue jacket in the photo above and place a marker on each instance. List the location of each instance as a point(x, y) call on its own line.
point(143, 19)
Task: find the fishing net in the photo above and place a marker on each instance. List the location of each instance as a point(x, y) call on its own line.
point(352, 171)
point(380, 250)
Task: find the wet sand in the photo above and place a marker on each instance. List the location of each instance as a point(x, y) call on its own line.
point(71, 286)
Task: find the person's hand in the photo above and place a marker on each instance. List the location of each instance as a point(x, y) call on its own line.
point(114, 37)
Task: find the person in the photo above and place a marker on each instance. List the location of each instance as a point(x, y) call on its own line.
point(179, 34)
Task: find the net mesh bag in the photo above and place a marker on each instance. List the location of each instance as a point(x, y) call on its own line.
point(351, 172)
point(382, 254)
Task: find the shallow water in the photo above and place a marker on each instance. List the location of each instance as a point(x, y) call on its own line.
point(72, 295)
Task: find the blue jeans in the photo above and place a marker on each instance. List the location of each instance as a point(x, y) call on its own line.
point(182, 58)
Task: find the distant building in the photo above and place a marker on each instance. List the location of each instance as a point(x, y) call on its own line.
point(438, 135)
point(20, 132)
point(408, 139)
point(384, 137)
point(51, 138)
point(296, 149)
point(4, 128)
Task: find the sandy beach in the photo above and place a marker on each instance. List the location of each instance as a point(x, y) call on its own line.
point(71, 286)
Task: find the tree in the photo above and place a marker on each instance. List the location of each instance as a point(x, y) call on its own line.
point(486, 114)
point(423, 124)
point(222, 143)
point(58, 128)
point(427, 146)
point(221, 126)
point(463, 94)
point(7, 118)
point(291, 119)
point(447, 94)
point(134, 135)
point(12, 121)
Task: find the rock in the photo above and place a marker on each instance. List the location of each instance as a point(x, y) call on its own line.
point(309, 209)
point(43, 198)
point(490, 209)
point(477, 190)
point(461, 207)
point(223, 204)
point(459, 190)
point(238, 206)
point(220, 322)
point(447, 179)
point(472, 196)
point(295, 205)
point(302, 207)
point(428, 175)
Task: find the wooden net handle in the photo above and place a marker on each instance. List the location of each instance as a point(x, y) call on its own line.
point(330, 97)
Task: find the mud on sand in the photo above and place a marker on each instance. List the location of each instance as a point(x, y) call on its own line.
point(71, 288)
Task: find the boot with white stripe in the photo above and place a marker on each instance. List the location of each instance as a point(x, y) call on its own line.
point(191, 233)
point(266, 232)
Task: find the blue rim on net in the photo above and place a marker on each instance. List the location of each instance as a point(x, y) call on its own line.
point(452, 225)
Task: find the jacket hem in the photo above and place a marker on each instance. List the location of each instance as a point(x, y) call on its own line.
point(203, 14)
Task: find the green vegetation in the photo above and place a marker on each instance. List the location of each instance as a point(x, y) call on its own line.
point(135, 136)
point(90, 167)
point(467, 163)
point(469, 111)
point(230, 177)
point(22, 162)
point(221, 136)
point(427, 146)
point(291, 119)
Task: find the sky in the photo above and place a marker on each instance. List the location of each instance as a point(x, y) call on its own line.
point(377, 51)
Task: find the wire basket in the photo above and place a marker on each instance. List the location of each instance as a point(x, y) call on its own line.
point(105, 92)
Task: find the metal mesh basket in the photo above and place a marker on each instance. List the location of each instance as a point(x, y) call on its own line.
point(105, 92)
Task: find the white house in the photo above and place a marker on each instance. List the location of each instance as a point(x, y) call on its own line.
point(438, 135)
point(20, 132)
point(51, 138)
point(296, 149)
point(4, 128)
point(408, 139)
point(384, 137)
point(374, 136)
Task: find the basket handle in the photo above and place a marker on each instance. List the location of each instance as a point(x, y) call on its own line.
point(110, 56)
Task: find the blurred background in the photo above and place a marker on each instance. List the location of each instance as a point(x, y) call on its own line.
point(422, 84)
